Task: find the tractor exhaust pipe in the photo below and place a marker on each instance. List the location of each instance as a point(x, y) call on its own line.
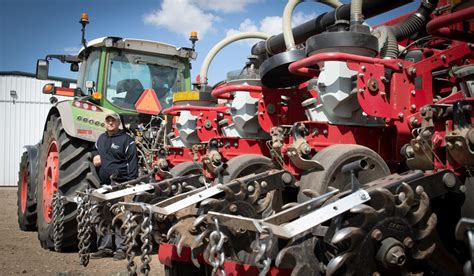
point(371, 8)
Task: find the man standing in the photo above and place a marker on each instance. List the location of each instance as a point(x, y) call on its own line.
point(115, 154)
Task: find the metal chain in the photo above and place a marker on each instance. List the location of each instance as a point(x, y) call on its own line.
point(84, 232)
point(58, 221)
point(146, 238)
point(264, 243)
point(216, 256)
point(131, 231)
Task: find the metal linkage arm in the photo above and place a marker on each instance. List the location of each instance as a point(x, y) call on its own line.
point(266, 181)
point(300, 225)
point(114, 192)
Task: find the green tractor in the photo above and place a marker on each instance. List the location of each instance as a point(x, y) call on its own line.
point(131, 77)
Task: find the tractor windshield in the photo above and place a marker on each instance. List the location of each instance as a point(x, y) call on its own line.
point(129, 74)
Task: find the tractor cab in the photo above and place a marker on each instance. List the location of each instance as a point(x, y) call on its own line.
point(116, 73)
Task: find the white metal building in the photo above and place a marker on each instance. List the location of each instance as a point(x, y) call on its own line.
point(23, 110)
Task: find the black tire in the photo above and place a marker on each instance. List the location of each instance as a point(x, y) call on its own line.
point(75, 173)
point(26, 193)
point(246, 164)
point(332, 158)
point(186, 168)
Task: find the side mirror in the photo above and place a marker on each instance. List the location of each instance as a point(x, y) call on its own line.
point(42, 67)
point(74, 67)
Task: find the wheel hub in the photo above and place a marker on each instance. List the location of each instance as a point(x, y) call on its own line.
point(50, 180)
point(24, 190)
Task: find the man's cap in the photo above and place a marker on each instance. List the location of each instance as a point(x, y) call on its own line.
point(113, 115)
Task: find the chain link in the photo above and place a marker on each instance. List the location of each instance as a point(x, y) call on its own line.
point(263, 247)
point(217, 256)
point(146, 238)
point(84, 232)
point(58, 221)
point(131, 231)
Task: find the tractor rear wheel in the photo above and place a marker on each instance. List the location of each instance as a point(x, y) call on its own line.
point(26, 193)
point(333, 158)
point(65, 167)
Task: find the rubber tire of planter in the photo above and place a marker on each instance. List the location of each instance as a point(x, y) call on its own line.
point(26, 194)
point(186, 168)
point(246, 164)
point(76, 173)
point(332, 158)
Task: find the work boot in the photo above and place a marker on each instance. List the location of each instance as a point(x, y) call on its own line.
point(102, 253)
point(119, 255)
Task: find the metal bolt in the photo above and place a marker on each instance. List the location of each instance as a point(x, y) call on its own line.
point(423, 111)
point(361, 75)
point(449, 145)
point(361, 90)
point(235, 144)
point(449, 179)
point(377, 235)
point(375, 274)
point(400, 115)
point(413, 107)
point(382, 93)
point(458, 144)
point(402, 196)
point(413, 121)
point(325, 132)
point(264, 184)
point(173, 187)
point(416, 147)
point(408, 242)
point(443, 57)
point(287, 178)
point(463, 189)
point(363, 196)
point(384, 79)
point(251, 188)
point(419, 190)
point(396, 256)
point(412, 71)
point(362, 68)
point(413, 92)
point(233, 208)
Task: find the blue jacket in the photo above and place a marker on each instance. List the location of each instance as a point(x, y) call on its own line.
point(118, 155)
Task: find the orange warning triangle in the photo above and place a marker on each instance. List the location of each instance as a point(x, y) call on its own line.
point(148, 103)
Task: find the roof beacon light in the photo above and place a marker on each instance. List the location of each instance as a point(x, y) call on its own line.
point(193, 37)
point(84, 21)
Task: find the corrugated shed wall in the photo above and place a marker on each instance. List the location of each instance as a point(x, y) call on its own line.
point(21, 121)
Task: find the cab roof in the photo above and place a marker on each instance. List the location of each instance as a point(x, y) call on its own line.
point(140, 45)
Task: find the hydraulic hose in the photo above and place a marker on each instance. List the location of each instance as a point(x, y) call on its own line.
point(390, 35)
point(388, 44)
point(287, 16)
point(276, 44)
point(416, 21)
point(213, 52)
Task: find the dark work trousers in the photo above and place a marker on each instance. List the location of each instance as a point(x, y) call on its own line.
point(106, 242)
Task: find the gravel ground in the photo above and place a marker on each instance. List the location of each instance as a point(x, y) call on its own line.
point(21, 253)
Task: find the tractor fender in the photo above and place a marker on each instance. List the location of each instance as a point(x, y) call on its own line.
point(32, 151)
point(78, 121)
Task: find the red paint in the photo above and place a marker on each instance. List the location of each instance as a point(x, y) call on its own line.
point(24, 189)
point(441, 26)
point(50, 180)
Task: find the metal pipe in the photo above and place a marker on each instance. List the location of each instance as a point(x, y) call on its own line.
point(276, 44)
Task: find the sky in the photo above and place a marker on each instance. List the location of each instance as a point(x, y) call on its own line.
point(31, 29)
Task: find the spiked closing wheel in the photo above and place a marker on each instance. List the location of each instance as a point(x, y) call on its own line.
point(388, 236)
